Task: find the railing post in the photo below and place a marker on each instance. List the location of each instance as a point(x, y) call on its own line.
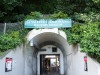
point(5, 28)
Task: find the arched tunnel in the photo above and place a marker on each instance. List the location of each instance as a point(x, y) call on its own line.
point(37, 39)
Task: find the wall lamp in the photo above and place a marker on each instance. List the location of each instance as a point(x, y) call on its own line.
point(31, 43)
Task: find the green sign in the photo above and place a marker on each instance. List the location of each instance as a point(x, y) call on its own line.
point(48, 23)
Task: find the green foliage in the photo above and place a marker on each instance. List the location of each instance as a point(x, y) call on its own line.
point(7, 6)
point(96, 1)
point(38, 15)
point(12, 10)
point(1, 53)
point(12, 38)
point(90, 17)
point(9, 41)
point(19, 17)
point(34, 15)
point(45, 6)
point(88, 35)
point(58, 15)
point(22, 35)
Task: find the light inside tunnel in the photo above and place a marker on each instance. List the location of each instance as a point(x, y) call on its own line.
point(50, 56)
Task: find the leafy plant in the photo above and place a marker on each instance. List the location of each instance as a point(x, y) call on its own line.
point(38, 15)
point(34, 15)
point(88, 35)
point(58, 15)
point(9, 41)
point(90, 17)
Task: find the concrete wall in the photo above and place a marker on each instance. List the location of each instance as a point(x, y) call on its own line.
point(30, 60)
point(75, 63)
point(24, 61)
point(18, 62)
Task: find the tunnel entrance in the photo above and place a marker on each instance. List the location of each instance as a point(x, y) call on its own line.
point(44, 43)
point(50, 61)
point(49, 64)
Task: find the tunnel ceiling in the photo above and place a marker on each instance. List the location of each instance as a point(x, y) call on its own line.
point(47, 37)
point(50, 38)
